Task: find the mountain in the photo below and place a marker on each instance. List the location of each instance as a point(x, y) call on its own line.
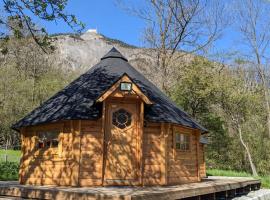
point(79, 52)
point(85, 50)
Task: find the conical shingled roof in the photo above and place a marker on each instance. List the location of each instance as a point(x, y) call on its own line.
point(78, 99)
point(114, 53)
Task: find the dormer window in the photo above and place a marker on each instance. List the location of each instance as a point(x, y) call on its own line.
point(126, 86)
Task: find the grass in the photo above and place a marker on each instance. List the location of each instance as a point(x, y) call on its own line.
point(217, 172)
point(12, 155)
point(9, 170)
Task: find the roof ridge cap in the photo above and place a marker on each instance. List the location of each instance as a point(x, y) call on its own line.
point(114, 53)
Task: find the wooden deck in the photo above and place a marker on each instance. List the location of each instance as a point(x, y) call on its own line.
point(210, 188)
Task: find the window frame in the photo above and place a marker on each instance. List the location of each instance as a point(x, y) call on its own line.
point(50, 140)
point(184, 133)
point(59, 128)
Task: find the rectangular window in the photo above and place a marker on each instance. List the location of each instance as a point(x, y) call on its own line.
point(47, 139)
point(182, 141)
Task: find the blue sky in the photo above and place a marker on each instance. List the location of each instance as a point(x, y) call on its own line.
point(112, 21)
point(104, 16)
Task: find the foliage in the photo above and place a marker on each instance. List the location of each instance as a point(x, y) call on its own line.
point(225, 99)
point(28, 78)
point(19, 18)
point(9, 171)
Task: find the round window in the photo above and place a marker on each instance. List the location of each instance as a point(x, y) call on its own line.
point(121, 118)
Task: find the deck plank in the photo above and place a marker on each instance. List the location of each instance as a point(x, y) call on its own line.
point(207, 186)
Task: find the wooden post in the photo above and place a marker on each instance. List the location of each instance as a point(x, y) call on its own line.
point(164, 154)
point(197, 136)
point(21, 170)
point(104, 146)
point(140, 147)
point(76, 132)
point(167, 132)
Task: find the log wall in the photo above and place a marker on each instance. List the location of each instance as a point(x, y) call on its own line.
point(54, 166)
point(153, 161)
point(91, 153)
point(182, 166)
point(78, 160)
point(202, 161)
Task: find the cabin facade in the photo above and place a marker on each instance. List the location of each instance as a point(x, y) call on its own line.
point(111, 126)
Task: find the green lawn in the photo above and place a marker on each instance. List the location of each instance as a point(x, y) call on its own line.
point(217, 172)
point(12, 155)
point(9, 170)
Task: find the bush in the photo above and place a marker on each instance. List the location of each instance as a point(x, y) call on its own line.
point(9, 171)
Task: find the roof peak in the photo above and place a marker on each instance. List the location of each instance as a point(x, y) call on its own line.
point(114, 53)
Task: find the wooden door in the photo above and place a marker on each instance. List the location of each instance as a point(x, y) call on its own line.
point(121, 160)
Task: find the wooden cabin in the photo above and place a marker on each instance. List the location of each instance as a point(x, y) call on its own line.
point(111, 126)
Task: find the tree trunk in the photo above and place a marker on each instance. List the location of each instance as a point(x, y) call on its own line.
point(252, 166)
point(267, 106)
point(265, 89)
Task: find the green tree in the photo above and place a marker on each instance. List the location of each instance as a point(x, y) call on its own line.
point(195, 90)
point(19, 19)
point(28, 78)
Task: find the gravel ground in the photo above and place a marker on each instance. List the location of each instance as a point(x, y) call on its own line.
point(262, 194)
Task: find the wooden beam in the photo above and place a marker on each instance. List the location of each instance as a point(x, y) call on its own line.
point(167, 132)
point(60, 138)
point(140, 148)
point(197, 135)
point(103, 140)
point(80, 150)
point(164, 157)
point(22, 133)
point(114, 87)
point(76, 127)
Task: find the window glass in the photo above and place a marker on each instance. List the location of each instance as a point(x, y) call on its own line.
point(47, 139)
point(182, 141)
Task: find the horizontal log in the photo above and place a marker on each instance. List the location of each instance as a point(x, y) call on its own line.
point(90, 149)
point(184, 173)
point(84, 182)
point(41, 162)
point(90, 174)
point(89, 162)
point(47, 181)
point(91, 167)
point(182, 180)
point(156, 149)
point(151, 181)
point(152, 154)
point(152, 168)
point(152, 161)
point(152, 142)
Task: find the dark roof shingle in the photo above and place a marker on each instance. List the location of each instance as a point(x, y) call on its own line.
point(78, 99)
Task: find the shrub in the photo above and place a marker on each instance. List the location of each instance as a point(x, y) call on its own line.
point(9, 171)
